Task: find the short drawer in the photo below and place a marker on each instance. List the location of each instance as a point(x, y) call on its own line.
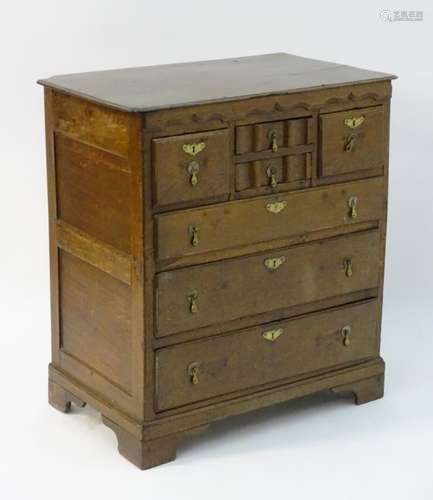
point(274, 175)
point(351, 141)
point(209, 294)
point(191, 167)
point(240, 223)
point(267, 354)
point(272, 136)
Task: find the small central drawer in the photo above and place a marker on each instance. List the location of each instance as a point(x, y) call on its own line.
point(274, 174)
point(191, 168)
point(204, 369)
point(240, 223)
point(205, 295)
point(272, 136)
point(273, 156)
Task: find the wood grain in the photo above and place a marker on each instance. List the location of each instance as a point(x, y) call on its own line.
point(187, 84)
point(91, 123)
point(171, 168)
point(368, 148)
point(96, 320)
point(92, 251)
point(305, 345)
point(243, 287)
point(92, 196)
point(229, 225)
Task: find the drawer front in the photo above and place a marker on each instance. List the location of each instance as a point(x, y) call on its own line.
point(275, 174)
point(271, 136)
point(203, 369)
point(235, 224)
point(209, 294)
point(351, 141)
point(192, 167)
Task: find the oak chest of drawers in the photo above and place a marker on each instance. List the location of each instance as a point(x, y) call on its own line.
point(217, 235)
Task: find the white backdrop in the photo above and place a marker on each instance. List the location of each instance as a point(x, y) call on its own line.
point(316, 447)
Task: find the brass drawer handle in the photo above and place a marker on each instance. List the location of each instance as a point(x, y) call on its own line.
point(273, 138)
point(346, 332)
point(276, 207)
point(193, 169)
point(193, 299)
point(193, 231)
point(193, 149)
point(272, 335)
point(274, 263)
point(350, 143)
point(354, 122)
point(348, 267)
point(193, 373)
point(270, 172)
point(353, 202)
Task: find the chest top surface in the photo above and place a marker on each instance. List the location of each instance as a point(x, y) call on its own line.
point(152, 88)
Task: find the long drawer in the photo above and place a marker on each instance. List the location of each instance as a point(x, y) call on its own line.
point(203, 369)
point(208, 294)
point(235, 224)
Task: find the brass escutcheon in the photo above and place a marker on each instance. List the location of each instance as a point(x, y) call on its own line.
point(354, 122)
point(272, 335)
point(193, 149)
point(274, 263)
point(276, 207)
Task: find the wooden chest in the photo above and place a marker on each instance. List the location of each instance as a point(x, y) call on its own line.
point(217, 235)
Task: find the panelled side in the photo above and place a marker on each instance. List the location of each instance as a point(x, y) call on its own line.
point(96, 227)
